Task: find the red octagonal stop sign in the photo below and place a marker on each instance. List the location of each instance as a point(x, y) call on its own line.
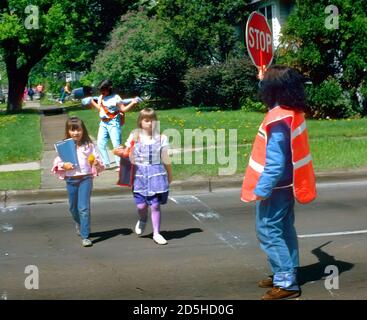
point(259, 40)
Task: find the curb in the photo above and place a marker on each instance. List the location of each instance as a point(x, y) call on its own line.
point(28, 197)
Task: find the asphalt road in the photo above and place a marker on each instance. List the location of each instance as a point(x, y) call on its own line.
point(212, 250)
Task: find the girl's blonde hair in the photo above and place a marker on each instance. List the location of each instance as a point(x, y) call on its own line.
point(150, 114)
point(146, 113)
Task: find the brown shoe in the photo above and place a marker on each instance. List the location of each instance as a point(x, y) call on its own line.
point(266, 283)
point(279, 293)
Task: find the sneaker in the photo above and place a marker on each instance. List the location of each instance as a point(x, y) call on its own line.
point(140, 227)
point(77, 229)
point(159, 239)
point(87, 243)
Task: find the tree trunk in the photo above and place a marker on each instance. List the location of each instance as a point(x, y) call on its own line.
point(17, 80)
point(17, 77)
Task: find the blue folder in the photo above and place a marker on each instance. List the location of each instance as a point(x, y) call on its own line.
point(67, 151)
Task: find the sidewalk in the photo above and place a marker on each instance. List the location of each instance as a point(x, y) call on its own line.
point(53, 189)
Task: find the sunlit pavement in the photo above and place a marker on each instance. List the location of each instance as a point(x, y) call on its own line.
point(212, 250)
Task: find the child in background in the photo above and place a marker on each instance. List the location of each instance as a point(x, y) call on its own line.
point(280, 170)
point(153, 171)
point(66, 91)
point(79, 181)
point(110, 108)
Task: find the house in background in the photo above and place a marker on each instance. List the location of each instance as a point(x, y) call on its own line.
point(276, 12)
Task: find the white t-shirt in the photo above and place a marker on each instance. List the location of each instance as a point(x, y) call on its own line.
point(111, 103)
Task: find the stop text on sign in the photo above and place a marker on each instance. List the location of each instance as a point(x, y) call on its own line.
point(260, 40)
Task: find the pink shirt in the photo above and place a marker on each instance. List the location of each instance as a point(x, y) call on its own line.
point(85, 168)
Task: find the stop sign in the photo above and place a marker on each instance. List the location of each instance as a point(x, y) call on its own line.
point(259, 40)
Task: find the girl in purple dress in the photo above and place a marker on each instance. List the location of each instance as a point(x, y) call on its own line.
point(153, 171)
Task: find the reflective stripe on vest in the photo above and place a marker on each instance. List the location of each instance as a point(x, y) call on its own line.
point(304, 183)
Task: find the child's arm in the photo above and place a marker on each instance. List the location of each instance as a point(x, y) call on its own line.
point(59, 167)
point(127, 108)
point(119, 151)
point(167, 163)
point(95, 104)
point(122, 150)
point(169, 172)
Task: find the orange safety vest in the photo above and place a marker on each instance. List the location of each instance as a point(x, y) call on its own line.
point(304, 182)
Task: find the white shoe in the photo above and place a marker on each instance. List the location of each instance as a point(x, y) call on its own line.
point(87, 243)
point(140, 227)
point(159, 239)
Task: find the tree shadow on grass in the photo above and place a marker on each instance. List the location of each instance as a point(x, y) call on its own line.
point(105, 235)
point(316, 271)
point(176, 234)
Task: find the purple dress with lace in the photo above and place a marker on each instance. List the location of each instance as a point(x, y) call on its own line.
point(151, 181)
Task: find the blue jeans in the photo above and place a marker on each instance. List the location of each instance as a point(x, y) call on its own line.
point(63, 96)
point(112, 130)
point(79, 192)
point(278, 238)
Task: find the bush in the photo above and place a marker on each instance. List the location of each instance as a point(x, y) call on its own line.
point(253, 106)
point(328, 100)
point(222, 85)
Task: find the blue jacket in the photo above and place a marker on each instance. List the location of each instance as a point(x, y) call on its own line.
point(278, 170)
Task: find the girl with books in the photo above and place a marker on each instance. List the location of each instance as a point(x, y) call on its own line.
point(79, 178)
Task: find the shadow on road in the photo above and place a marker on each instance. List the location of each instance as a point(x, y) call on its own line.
point(316, 271)
point(177, 234)
point(105, 235)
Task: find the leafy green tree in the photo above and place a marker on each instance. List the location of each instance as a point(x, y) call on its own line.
point(324, 43)
point(69, 31)
point(205, 29)
point(141, 56)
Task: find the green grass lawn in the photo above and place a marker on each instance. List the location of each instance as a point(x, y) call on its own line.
point(20, 180)
point(340, 144)
point(20, 138)
point(47, 102)
point(335, 144)
point(20, 141)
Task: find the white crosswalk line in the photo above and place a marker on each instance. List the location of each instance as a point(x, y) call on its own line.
point(341, 233)
point(211, 219)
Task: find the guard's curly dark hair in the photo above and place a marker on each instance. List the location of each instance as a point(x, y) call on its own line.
point(283, 86)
